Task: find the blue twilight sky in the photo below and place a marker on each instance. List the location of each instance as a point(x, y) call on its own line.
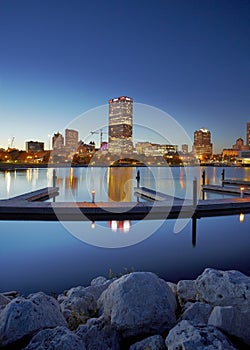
point(58, 59)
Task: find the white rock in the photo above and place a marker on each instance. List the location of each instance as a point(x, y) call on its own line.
point(4, 300)
point(155, 342)
point(22, 317)
point(233, 321)
point(98, 281)
point(80, 303)
point(98, 334)
point(186, 291)
point(186, 336)
point(223, 288)
point(197, 313)
point(59, 338)
point(139, 303)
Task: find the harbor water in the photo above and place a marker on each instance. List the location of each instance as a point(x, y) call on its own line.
point(54, 256)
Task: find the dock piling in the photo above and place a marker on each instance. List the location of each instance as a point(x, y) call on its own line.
point(54, 177)
point(195, 192)
point(138, 178)
point(223, 177)
point(93, 196)
point(203, 177)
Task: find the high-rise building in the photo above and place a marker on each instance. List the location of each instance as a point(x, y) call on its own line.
point(248, 135)
point(184, 148)
point(120, 124)
point(71, 140)
point(239, 144)
point(202, 143)
point(57, 141)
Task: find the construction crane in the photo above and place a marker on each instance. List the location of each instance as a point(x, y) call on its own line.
point(101, 134)
point(11, 142)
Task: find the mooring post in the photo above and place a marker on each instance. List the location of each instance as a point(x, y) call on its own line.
point(93, 196)
point(195, 192)
point(242, 192)
point(194, 227)
point(138, 178)
point(54, 178)
point(223, 177)
point(203, 177)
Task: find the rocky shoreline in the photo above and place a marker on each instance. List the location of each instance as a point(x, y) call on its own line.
point(136, 311)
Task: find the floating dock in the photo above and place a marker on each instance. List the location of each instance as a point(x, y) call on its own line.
point(39, 195)
point(236, 182)
point(153, 195)
point(226, 190)
point(24, 208)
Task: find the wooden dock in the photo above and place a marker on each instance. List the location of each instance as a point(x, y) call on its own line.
point(149, 194)
point(226, 190)
point(24, 208)
point(38, 195)
point(236, 182)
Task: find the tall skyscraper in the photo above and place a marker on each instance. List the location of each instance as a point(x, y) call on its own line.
point(57, 141)
point(71, 140)
point(202, 143)
point(248, 135)
point(120, 124)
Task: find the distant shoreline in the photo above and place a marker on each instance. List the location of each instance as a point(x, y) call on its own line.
point(20, 166)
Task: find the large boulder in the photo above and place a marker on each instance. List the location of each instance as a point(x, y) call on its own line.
point(197, 313)
point(23, 317)
point(139, 303)
point(155, 342)
point(223, 288)
point(233, 321)
point(80, 303)
point(186, 291)
point(4, 300)
point(59, 338)
point(98, 334)
point(189, 337)
point(217, 288)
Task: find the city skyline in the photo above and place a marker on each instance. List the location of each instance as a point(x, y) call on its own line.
point(59, 60)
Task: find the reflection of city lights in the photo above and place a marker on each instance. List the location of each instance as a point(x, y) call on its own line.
point(71, 175)
point(126, 226)
point(114, 225)
point(8, 181)
point(242, 217)
point(92, 225)
point(28, 175)
point(123, 226)
point(242, 192)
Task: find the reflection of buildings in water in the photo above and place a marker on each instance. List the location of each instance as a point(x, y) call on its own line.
point(123, 226)
point(120, 184)
point(71, 181)
point(182, 178)
point(8, 182)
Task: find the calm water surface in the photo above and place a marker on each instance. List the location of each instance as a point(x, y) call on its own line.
point(46, 256)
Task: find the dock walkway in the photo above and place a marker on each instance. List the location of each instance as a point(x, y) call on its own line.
point(226, 190)
point(26, 209)
point(153, 195)
point(236, 182)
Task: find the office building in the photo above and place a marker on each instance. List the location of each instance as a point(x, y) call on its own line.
point(154, 149)
point(184, 148)
point(248, 135)
point(120, 125)
point(34, 146)
point(57, 141)
point(202, 147)
point(71, 140)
